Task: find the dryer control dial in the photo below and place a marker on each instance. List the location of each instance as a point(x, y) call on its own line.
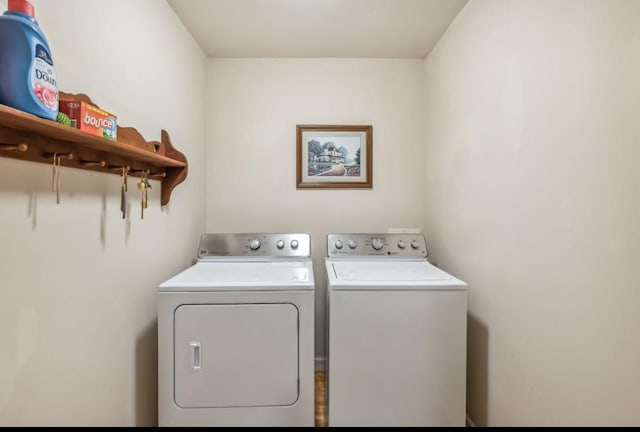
point(294, 244)
point(377, 243)
point(338, 244)
point(280, 244)
point(255, 244)
point(415, 244)
point(402, 244)
point(353, 244)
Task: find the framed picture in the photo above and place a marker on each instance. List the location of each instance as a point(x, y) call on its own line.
point(334, 156)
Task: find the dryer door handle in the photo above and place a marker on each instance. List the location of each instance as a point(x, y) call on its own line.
point(197, 355)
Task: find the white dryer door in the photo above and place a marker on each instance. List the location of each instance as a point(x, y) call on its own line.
point(236, 355)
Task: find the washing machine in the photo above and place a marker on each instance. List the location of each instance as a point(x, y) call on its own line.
point(397, 328)
point(235, 334)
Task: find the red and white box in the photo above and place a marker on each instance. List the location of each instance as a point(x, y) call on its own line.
point(90, 119)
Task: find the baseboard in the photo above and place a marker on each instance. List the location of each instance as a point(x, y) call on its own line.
point(321, 364)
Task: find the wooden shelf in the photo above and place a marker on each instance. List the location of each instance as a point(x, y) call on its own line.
point(28, 137)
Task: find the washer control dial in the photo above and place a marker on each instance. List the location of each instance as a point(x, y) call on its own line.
point(381, 245)
point(280, 244)
point(294, 244)
point(255, 244)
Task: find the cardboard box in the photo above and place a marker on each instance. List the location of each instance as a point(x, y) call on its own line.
point(91, 119)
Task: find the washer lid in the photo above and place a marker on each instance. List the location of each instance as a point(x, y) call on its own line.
point(225, 276)
point(381, 271)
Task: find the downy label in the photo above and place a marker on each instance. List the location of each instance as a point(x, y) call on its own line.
point(43, 79)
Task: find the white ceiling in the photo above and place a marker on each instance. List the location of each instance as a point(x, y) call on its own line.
point(317, 28)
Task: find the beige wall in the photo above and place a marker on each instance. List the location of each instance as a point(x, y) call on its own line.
point(532, 126)
point(530, 120)
point(78, 338)
point(254, 106)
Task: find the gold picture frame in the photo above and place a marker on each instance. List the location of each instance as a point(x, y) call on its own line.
point(334, 156)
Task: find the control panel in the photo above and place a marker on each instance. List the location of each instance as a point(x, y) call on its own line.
point(376, 245)
point(267, 246)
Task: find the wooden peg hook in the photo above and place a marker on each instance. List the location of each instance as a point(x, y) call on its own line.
point(137, 172)
point(59, 155)
point(19, 147)
point(88, 163)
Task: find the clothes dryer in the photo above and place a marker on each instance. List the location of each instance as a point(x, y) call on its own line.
point(235, 334)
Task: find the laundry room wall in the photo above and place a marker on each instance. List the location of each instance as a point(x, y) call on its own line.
point(78, 338)
point(253, 108)
point(532, 131)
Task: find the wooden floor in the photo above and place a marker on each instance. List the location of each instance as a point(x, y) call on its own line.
point(321, 399)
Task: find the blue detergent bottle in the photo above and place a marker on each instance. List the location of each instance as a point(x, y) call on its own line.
point(27, 75)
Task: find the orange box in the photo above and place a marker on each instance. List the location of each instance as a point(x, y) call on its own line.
point(90, 119)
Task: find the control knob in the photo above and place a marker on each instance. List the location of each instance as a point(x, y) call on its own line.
point(353, 244)
point(294, 244)
point(255, 244)
point(338, 244)
point(377, 244)
point(280, 244)
point(402, 244)
point(415, 244)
